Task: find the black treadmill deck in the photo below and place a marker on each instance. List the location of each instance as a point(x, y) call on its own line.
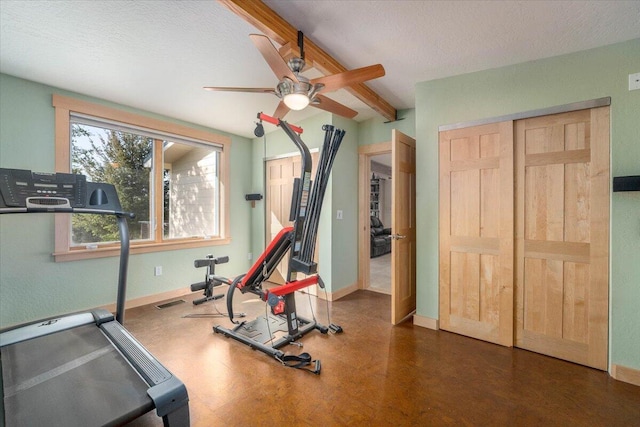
point(75, 377)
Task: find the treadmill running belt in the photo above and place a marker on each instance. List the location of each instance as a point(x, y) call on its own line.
point(71, 378)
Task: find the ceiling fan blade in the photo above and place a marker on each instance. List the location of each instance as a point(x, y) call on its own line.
point(334, 107)
point(281, 111)
point(273, 58)
point(350, 78)
point(241, 89)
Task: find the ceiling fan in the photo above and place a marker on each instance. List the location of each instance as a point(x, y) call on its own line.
point(296, 91)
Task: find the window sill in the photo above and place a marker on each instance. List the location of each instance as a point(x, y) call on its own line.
point(137, 248)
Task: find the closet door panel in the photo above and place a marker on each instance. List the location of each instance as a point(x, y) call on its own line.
point(489, 193)
point(476, 232)
point(465, 203)
point(465, 292)
point(560, 236)
point(576, 297)
point(489, 289)
point(562, 164)
point(544, 219)
point(544, 302)
point(577, 203)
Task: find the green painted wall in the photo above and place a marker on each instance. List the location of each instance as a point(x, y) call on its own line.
point(344, 197)
point(32, 285)
point(377, 129)
point(544, 83)
point(337, 238)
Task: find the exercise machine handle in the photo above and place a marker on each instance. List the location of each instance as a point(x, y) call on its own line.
point(210, 261)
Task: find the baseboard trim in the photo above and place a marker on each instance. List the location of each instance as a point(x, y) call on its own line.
point(628, 375)
point(426, 322)
point(150, 299)
point(379, 291)
point(333, 296)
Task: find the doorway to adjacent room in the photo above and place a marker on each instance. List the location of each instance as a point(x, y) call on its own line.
point(375, 237)
point(380, 193)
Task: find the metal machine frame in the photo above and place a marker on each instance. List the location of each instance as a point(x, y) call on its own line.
point(299, 241)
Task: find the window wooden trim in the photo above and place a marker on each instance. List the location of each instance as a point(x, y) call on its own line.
point(63, 107)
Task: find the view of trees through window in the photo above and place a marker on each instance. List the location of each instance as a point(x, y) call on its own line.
point(189, 183)
point(119, 158)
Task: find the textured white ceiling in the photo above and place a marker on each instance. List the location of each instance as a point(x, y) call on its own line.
point(157, 55)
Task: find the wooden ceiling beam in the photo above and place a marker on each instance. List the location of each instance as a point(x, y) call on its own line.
point(287, 52)
point(265, 20)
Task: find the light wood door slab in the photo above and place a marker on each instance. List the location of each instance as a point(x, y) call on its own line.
point(403, 226)
point(562, 235)
point(476, 232)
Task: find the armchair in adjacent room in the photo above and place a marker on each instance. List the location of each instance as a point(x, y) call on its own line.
point(380, 238)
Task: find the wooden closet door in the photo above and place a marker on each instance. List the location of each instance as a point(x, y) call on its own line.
point(476, 232)
point(562, 235)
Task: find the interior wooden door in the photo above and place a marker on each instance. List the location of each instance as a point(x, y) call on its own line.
point(279, 188)
point(280, 174)
point(562, 234)
point(403, 226)
point(476, 232)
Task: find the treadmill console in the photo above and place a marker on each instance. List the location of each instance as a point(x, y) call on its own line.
point(47, 191)
point(26, 191)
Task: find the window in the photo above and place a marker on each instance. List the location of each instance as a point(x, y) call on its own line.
point(172, 177)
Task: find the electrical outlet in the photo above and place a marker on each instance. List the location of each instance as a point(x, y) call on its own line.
point(634, 81)
point(249, 256)
point(339, 214)
point(157, 271)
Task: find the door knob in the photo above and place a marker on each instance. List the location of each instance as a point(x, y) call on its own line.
point(398, 236)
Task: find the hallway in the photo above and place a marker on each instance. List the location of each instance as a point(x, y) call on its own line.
point(380, 274)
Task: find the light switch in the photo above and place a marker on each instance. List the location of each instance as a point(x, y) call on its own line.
point(634, 81)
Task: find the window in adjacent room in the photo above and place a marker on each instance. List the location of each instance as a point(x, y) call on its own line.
point(170, 176)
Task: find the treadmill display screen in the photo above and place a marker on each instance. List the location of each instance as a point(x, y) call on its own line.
point(22, 188)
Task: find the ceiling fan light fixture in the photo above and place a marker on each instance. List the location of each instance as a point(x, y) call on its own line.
point(295, 95)
point(296, 101)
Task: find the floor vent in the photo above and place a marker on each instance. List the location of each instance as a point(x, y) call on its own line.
point(169, 304)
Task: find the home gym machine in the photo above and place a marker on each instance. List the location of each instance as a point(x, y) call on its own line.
point(210, 279)
point(299, 241)
point(80, 369)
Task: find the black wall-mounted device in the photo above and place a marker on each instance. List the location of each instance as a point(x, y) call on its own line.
point(626, 183)
point(253, 197)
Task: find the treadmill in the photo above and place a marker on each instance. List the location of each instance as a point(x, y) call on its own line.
point(80, 369)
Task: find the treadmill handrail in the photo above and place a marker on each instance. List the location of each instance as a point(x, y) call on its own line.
point(123, 230)
point(14, 210)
